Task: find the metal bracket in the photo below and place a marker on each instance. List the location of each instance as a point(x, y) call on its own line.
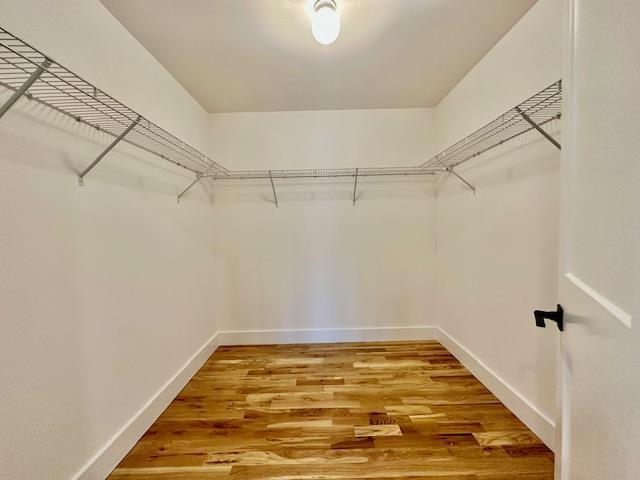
point(24, 87)
point(275, 197)
point(199, 176)
point(453, 172)
point(183, 193)
point(355, 188)
point(538, 128)
point(107, 150)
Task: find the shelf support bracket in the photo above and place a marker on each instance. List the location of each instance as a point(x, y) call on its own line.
point(538, 128)
point(275, 197)
point(355, 188)
point(24, 87)
point(107, 150)
point(199, 176)
point(453, 172)
point(184, 192)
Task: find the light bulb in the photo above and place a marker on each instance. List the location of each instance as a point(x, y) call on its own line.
point(325, 23)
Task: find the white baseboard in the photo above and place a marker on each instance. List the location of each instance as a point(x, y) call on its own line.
point(119, 445)
point(533, 418)
point(103, 462)
point(326, 335)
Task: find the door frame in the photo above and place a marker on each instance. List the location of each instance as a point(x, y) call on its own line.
point(563, 365)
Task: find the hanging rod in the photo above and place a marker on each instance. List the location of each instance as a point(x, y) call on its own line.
point(29, 73)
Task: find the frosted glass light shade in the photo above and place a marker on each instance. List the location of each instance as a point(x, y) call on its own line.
point(325, 23)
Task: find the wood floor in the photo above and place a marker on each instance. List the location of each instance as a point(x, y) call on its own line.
point(401, 410)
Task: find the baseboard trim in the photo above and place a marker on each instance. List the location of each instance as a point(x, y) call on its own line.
point(103, 462)
point(326, 335)
point(530, 415)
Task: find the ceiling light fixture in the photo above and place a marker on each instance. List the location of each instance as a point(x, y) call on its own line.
point(325, 22)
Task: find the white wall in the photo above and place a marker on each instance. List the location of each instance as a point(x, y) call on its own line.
point(498, 250)
point(106, 291)
point(84, 37)
point(316, 261)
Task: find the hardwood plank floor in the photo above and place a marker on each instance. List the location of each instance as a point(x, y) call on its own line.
point(401, 410)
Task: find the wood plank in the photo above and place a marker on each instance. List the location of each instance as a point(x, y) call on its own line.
point(378, 431)
point(523, 437)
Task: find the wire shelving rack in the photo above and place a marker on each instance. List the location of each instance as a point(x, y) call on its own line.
point(29, 73)
point(532, 114)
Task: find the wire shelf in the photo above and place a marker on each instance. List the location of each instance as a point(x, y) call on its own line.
point(532, 114)
point(542, 108)
point(26, 71)
point(66, 92)
point(326, 173)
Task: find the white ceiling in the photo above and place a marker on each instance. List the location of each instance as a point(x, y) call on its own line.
point(259, 55)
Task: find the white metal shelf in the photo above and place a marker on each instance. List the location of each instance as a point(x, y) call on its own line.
point(326, 173)
point(51, 84)
point(29, 73)
point(529, 115)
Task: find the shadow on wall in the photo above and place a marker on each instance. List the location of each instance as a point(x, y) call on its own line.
point(501, 252)
point(292, 192)
point(92, 280)
point(133, 168)
point(514, 161)
point(126, 166)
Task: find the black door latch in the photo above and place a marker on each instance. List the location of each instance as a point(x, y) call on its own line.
point(557, 316)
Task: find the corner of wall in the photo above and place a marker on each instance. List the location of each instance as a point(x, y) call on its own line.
point(108, 457)
point(514, 400)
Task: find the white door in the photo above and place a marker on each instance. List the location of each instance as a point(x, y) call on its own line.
point(599, 424)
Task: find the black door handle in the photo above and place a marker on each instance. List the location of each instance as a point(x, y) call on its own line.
point(557, 316)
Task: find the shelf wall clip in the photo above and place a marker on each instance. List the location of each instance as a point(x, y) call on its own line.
point(107, 150)
point(355, 188)
point(538, 128)
point(24, 87)
point(453, 172)
point(275, 197)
